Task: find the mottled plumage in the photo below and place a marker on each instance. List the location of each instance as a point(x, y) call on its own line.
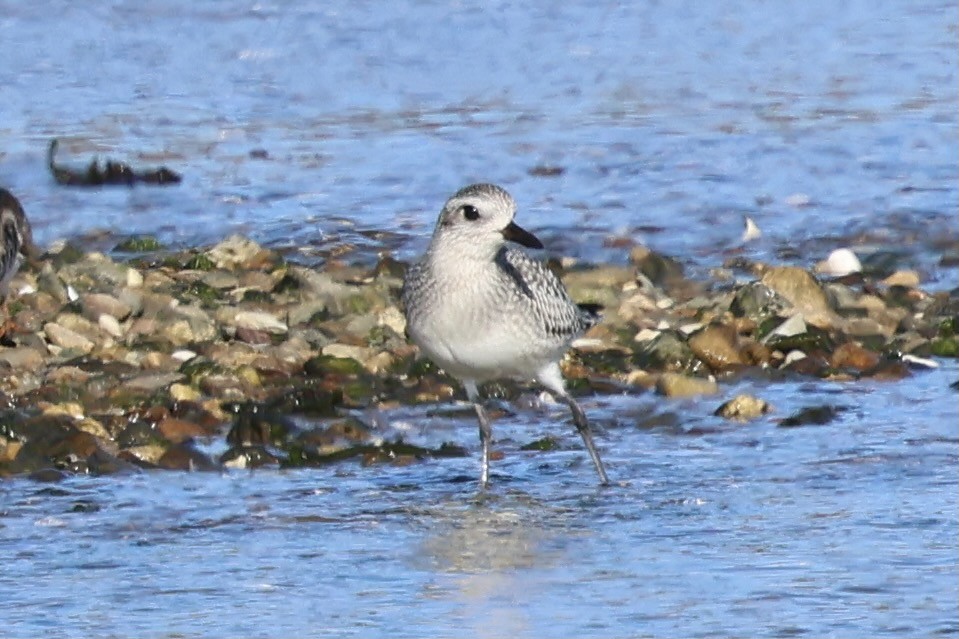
point(17, 239)
point(482, 309)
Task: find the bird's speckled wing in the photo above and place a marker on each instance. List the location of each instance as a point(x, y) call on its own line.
point(11, 236)
point(545, 297)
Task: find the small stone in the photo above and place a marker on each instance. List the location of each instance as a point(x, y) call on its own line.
point(110, 325)
point(69, 375)
point(179, 333)
point(93, 305)
point(646, 335)
point(249, 376)
point(149, 453)
point(840, 263)
point(743, 408)
point(22, 358)
point(69, 409)
point(322, 365)
point(184, 393)
point(890, 370)
point(641, 378)
point(380, 363)
point(676, 385)
point(793, 356)
point(716, 345)
point(185, 457)
point(158, 361)
point(794, 325)
point(347, 351)
point(863, 327)
point(66, 338)
point(812, 415)
point(183, 355)
point(920, 362)
point(179, 430)
point(134, 278)
point(153, 382)
point(223, 280)
point(95, 428)
point(242, 457)
point(394, 319)
point(79, 324)
point(854, 356)
point(259, 321)
point(250, 336)
point(668, 352)
point(222, 386)
point(237, 250)
point(804, 364)
point(906, 279)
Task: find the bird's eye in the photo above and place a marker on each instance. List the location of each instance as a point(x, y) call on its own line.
point(470, 212)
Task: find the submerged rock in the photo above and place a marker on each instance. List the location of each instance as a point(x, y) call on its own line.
point(812, 415)
point(743, 408)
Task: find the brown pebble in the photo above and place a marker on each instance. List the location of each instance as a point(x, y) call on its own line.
point(677, 385)
point(252, 336)
point(185, 457)
point(852, 355)
point(716, 345)
point(810, 365)
point(179, 430)
point(890, 370)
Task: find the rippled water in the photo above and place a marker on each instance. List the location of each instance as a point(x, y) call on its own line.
point(829, 124)
point(847, 529)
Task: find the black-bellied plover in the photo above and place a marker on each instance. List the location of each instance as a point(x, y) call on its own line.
point(17, 242)
point(483, 310)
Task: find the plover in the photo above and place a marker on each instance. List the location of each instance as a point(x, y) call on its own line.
point(482, 309)
point(17, 239)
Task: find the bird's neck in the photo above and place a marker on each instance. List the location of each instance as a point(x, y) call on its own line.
point(457, 256)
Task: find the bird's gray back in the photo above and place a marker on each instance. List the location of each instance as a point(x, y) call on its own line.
point(538, 294)
point(522, 290)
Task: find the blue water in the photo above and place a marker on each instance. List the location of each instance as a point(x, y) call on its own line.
point(830, 124)
point(672, 120)
point(712, 529)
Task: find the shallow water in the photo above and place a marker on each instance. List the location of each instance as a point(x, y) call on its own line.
point(846, 529)
point(828, 125)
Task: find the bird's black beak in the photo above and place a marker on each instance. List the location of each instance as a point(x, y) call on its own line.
point(516, 233)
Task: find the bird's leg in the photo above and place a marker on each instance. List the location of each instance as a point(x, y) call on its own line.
point(485, 430)
point(551, 377)
point(582, 425)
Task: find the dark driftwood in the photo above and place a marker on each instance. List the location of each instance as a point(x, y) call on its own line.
point(112, 173)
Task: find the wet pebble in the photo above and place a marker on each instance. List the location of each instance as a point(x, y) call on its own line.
point(717, 346)
point(676, 385)
point(743, 408)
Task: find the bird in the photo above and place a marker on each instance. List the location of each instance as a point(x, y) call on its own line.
point(17, 245)
point(481, 308)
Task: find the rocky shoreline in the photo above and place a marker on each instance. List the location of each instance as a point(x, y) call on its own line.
point(116, 365)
